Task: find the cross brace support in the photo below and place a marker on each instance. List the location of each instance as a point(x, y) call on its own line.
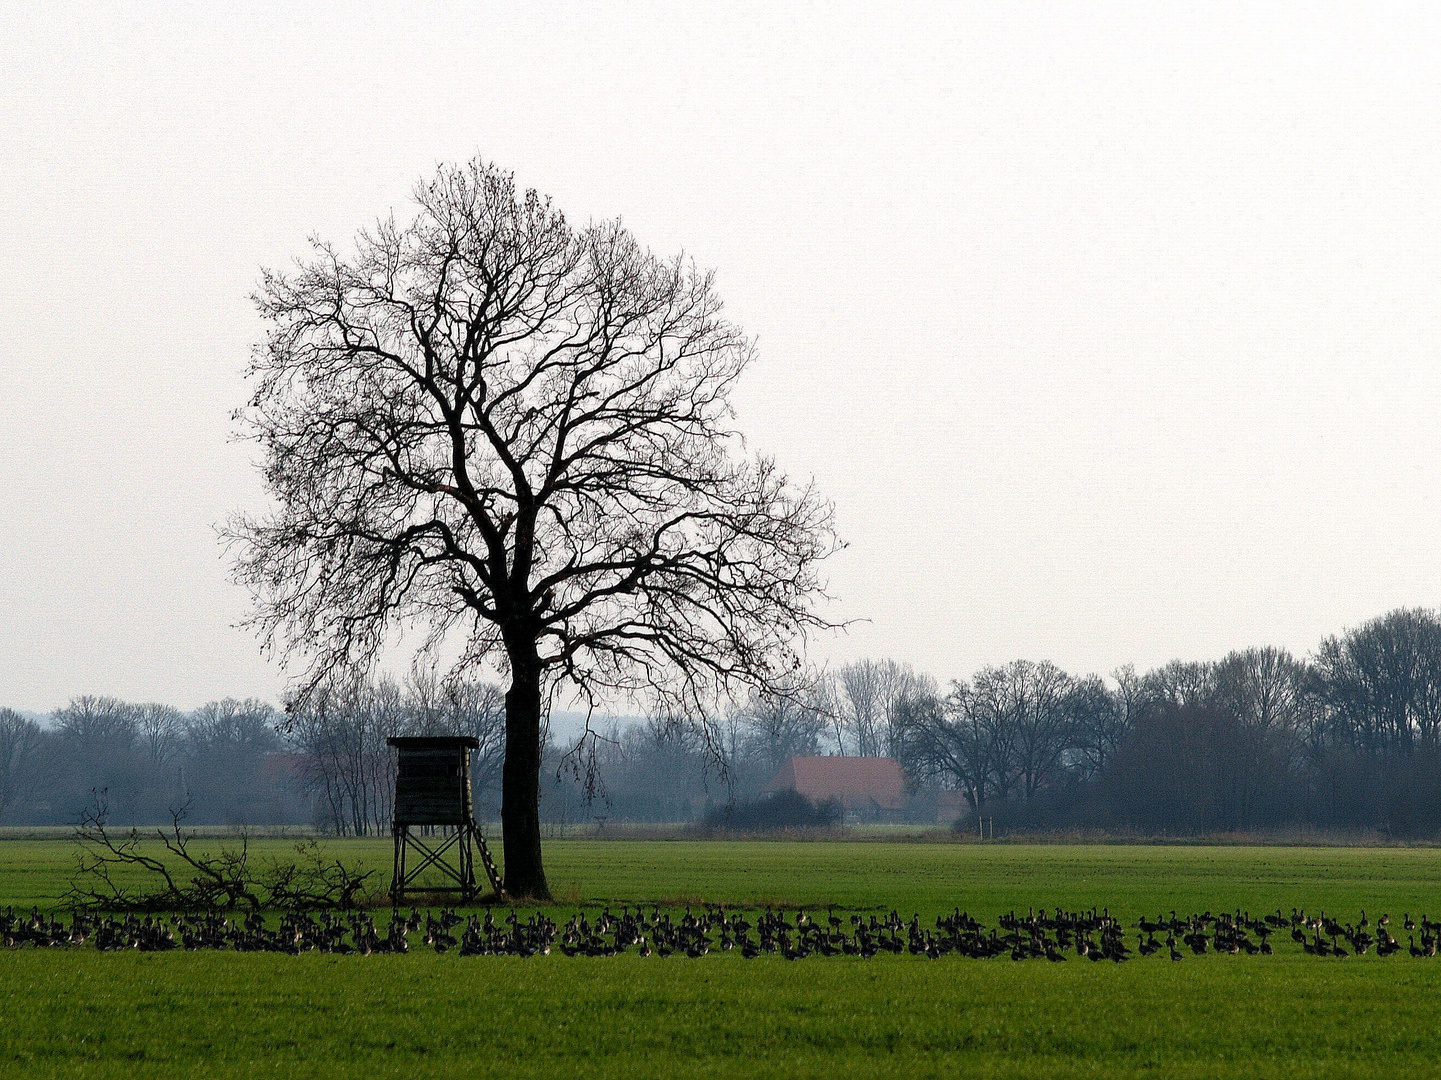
point(457, 865)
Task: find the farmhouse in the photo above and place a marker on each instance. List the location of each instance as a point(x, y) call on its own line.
point(871, 788)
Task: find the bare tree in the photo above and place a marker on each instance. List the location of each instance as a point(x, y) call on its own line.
point(673, 754)
point(1181, 683)
point(1103, 718)
point(1010, 727)
point(99, 725)
point(233, 723)
point(1269, 690)
point(941, 740)
point(459, 707)
point(867, 695)
point(96, 744)
point(19, 740)
point(860, 701)
point(161, 729)
point(226, 746)
point(1025, 705)
point(489, 422)
point(341, 732)
point(1381, 683)
point(780, 726)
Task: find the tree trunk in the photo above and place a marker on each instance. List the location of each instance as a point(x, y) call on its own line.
point(520, 780)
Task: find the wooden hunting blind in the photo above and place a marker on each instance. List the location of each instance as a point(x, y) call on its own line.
point(432, 793)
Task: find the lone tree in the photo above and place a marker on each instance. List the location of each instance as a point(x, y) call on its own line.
point(515, 433)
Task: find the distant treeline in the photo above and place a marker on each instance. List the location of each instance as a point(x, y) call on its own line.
point(238, 762)
point(1348, 737)
point(146, 759)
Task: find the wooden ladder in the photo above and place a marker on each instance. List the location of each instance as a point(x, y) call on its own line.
point(485, 860)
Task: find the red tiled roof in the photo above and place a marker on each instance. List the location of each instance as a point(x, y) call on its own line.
point(860, 783)
point(286, 766)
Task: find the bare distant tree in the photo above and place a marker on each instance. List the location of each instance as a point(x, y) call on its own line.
point(19, 741)
point(341, 731)
point(861, 703)
point(1025, 706)
point(161, 730)
point(99, 725)
point(1096, 718)
point(1269, 690)
point(462, 707)
point(487, 421)
point(1181, 683)
point(867, 695)
point(940, 740)
point(730, 743)
point(780, 726)
point(96, 744)
point(1381, 683)
point(671, 755)
point(249, 723)
point(1104, 717)
point(226, 746)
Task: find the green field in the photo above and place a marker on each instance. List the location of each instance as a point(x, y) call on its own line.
point(219, 1014)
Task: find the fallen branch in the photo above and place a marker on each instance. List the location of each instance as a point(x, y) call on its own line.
point(202, 881)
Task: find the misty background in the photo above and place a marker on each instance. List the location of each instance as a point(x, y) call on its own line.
point(1110, 332)
point(1112, 337)
point(1347, 738)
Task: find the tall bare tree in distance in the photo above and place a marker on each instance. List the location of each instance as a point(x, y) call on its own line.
point(867, 694)
point(19, 742)
point(491, 423)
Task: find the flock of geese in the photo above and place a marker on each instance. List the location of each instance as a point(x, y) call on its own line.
point(1056, 936)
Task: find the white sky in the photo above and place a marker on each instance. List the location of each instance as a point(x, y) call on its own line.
point(1111, 329)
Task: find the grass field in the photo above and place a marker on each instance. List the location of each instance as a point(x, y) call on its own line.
point(83, 1013)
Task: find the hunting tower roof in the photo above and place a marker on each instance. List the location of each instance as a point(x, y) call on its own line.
point(434, 742)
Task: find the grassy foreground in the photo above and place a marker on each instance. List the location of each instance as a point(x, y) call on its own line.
point(83, 1013)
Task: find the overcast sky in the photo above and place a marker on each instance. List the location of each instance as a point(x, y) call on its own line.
point(1111, 330)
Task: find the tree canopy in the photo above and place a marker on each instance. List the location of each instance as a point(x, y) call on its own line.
point(493, 424)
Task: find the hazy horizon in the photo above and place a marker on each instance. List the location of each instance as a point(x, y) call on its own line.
point(1111, 337)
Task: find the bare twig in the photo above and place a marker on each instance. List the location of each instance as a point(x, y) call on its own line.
point(220, 881)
